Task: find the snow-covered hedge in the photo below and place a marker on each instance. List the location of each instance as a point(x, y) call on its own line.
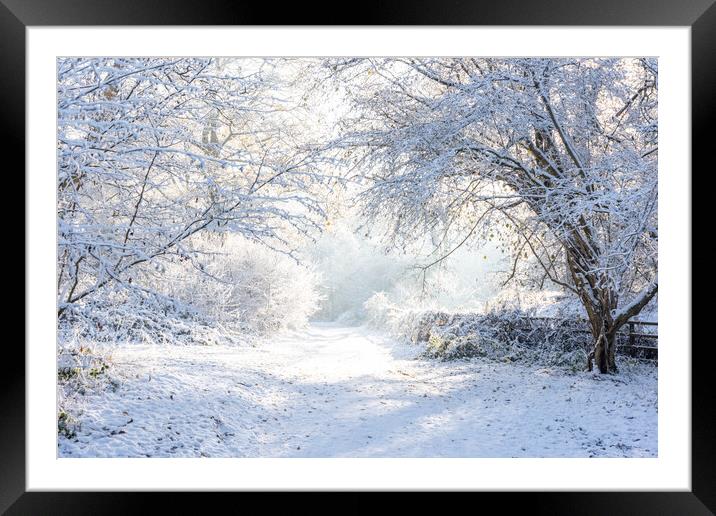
point(508, 335)
point(139, 317)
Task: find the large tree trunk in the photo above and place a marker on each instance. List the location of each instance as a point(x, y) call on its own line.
point(612, 341)
point(603, 353)
point(605, 324)
point(600, 299)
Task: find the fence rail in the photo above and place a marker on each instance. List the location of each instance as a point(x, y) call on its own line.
point(632, 342)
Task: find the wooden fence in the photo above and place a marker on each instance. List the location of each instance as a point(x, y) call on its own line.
point(640, 343)
point(632, 339)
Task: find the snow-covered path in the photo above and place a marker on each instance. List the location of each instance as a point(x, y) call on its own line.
point(334, 391)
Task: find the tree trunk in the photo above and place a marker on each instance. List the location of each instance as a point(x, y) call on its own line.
point(604, 349)
point(612, 341)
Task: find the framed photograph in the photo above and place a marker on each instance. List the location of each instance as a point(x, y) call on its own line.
point(414, 250)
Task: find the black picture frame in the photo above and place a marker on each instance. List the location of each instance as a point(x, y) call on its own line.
point(700, 15)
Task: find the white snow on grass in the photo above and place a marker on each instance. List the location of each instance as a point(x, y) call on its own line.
point(333, 391)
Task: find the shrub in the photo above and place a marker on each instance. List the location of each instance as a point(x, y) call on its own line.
point(80, 369)
point(509, 335)
point(251, 288)
point(234, 291)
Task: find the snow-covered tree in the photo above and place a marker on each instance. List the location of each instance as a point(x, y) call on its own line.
point(152, 151)
point(561, 152)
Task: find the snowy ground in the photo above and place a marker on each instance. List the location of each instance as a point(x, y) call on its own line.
point(348, 392)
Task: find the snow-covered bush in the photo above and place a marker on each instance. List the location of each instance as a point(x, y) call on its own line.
point(231, 292)
point(80, 369)
point(536, 303)
point(139, 316)
point(247, 287)
point(508, 335)
point(404, 323)
point(381, 313)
